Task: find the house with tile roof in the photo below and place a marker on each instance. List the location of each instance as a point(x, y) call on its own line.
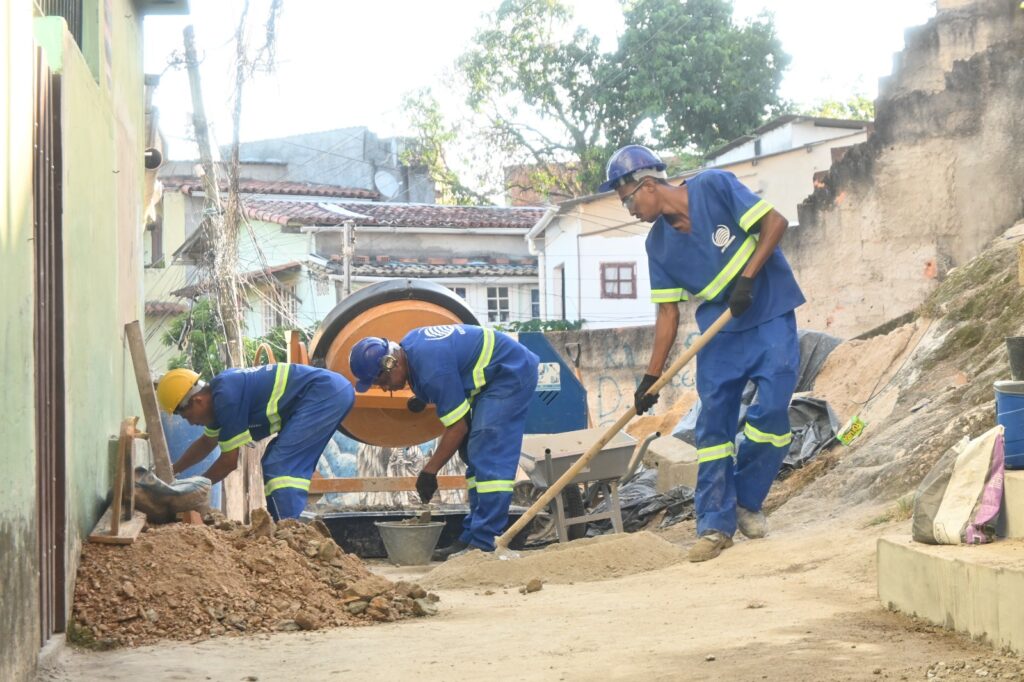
point(291, 258)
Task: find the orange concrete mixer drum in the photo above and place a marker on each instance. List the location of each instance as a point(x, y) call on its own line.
point(388, 309)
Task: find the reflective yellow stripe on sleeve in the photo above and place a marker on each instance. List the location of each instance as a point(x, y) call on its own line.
point(280, 383)
point(494, 486)
point(211, 433)
point(668, 295)
point(236, 442)
point(753, 214)
point(471, 483)
point(456, 414)
point(731, 269)
point(284, 482)
point(482, 361)
point(714, 452)
point(758, 436)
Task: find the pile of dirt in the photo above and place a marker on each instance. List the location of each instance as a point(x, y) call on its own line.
point(585, 560)
point(193, 582)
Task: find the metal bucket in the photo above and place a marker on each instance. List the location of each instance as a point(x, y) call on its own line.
point(409, 544)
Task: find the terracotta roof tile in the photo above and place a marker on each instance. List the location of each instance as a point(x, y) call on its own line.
point(188, 184)
point(393, 214)
point(472, 269)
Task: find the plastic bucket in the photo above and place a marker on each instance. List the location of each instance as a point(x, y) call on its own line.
point(409, 544)
point(1015, 351)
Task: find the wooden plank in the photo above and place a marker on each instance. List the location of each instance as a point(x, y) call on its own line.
point(127, 532)
point(150, 409)
point(383, 484)
point(191, 517)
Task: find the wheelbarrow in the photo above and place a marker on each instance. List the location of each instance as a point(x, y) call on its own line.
point(545, 457)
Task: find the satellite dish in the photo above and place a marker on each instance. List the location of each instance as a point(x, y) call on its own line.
point(386, 183)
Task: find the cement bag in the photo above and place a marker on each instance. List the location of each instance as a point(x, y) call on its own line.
point(958, 501)
point(161, 502)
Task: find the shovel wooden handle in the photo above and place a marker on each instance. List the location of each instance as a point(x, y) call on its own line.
point(502, 540)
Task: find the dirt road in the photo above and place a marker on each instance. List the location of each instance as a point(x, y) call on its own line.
point(799, 605)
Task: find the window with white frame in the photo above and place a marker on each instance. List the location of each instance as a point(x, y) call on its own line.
point(280, 308)
point(497, 304)
point(618, 280)
point(459, 291)
point(534, 304)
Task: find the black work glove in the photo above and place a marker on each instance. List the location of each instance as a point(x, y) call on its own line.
point(426, 486)
point(416, 405)
point(742, 296)
point(640, 400)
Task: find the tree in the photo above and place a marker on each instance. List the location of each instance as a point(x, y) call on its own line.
point(857, 108)
point(433, 137)
point(683, 78)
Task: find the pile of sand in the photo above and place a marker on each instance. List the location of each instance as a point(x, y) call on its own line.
point(194, 582)
point(599, 558)
point(858, 370)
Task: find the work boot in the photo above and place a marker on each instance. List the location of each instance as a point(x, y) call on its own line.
point(752, 524)
point(709, 546)
point(443, 553)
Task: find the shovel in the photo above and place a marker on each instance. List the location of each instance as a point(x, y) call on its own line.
point(501, 542)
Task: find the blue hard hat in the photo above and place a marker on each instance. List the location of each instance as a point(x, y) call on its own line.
point(365, 360)
point(627, 160)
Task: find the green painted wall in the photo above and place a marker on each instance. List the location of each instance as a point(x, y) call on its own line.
point(160, 282)
point(18, 538)
point(103, 152)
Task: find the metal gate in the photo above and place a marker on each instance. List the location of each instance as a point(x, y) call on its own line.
point(48, 240)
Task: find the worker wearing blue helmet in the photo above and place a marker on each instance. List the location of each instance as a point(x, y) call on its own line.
point(714, 239)
point(481, 383)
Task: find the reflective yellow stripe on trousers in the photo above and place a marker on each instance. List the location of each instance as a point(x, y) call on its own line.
point(280, 383)
point(758, 436)
point(285, 482)
point(714, 452)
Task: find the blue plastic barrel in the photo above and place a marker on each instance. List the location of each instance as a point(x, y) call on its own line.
point(180, 434)
point(1010, 414)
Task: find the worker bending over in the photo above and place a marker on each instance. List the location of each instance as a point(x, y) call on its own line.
point(481, 383)
point(302, 405)
point(716, 240)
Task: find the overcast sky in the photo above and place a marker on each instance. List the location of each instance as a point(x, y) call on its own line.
point(349, 63)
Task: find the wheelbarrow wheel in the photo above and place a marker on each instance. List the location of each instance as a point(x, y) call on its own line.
point(541, 530)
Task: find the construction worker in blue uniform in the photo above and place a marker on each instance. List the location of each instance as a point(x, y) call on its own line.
point(302, 405)
point(481, 383)
point(714, 239)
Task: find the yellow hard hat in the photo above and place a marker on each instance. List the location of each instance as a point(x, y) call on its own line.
point(175, 386)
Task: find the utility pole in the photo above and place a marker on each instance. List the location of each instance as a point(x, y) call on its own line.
point(224, 240)
point(348, 247)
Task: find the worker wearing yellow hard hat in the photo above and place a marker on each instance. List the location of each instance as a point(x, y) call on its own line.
point(302, 406)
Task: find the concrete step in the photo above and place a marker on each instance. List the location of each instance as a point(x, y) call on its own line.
point(973, 589)
point(1011, 523)
point(675, 460)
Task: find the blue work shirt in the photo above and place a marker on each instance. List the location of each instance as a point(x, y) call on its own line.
point(705, 261)
point(252, 403)
point(450, 364)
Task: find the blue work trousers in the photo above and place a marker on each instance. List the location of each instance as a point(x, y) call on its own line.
point(768, 355)
point(291, 458)
point(498, 421)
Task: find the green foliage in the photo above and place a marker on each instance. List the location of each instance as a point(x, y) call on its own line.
point(683, 78)
point(857, 108)
point(433, 136)
point(202, 334)
point(540, 326)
